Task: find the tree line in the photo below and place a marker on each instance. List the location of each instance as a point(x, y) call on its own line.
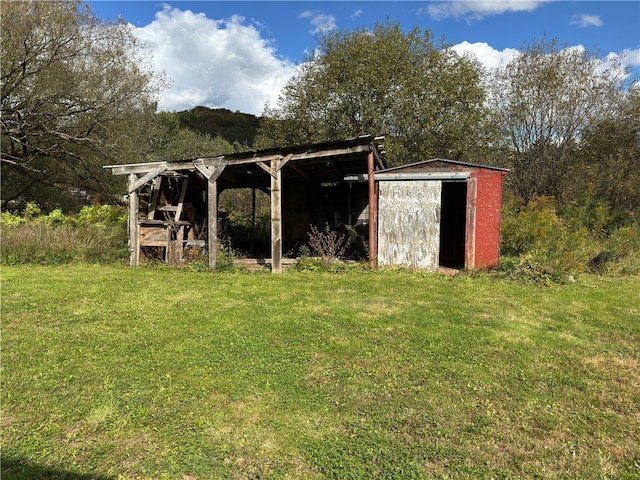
point(77, 93)
point(566, 123)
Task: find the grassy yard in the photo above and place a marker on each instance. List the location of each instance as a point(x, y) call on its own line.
point(112, 372)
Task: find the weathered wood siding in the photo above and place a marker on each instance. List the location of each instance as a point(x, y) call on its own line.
point(409, 223)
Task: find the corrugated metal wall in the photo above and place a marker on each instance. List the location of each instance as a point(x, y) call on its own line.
point(409, 223)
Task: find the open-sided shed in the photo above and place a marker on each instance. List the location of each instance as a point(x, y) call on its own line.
point(170, 203)
point(424, 215)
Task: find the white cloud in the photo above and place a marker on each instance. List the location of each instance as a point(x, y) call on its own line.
point(583, 20)
point(491, 59)
point(479, 9)
point(488, 56)
point(320, 21)
point(627, 59)
point(214, 63)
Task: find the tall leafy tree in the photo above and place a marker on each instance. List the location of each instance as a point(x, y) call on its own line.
point(544, 100)
point(609, 158)
point(424, 98)
point(171, 142)
point(75, 95)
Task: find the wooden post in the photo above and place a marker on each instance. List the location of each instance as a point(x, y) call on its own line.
point(134, 233)
point(253, 219)
point(373, 241)
point(276, 217)
point(470, 229)
point(212, 223)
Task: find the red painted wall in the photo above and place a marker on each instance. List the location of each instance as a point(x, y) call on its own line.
point(488, 215)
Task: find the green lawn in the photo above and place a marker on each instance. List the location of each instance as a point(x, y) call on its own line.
point(113, 372)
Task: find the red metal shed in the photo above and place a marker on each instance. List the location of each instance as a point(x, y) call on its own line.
point(439, 213)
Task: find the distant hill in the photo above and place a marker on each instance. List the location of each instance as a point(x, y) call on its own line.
point(232, 126)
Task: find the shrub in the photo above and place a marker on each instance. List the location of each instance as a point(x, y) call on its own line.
point(328, 244)
point(9, 219)
point(544, 246)
point(101, 215)
point(547, 247)
point(96, 235)
point(624, 245)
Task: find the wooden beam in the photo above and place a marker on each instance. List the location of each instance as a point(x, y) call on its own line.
point(212, 223)
point(335, 169)
point(276, 218)
point(145, 168)
point(153, 203)
point(378, 157)
point(284, 161)
point(470, 228)
point(145, 178)
point(373, 201)
point(183, 192)
point(134, 234)
point(211, 173)
point(267, 169)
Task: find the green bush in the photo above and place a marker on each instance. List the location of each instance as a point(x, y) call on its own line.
point(101, 216)
point(624, 246)
point(8, 219)
point(97, 234)
point(547, 249)
point(545, 246)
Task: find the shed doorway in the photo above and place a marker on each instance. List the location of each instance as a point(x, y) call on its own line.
point(453, 222)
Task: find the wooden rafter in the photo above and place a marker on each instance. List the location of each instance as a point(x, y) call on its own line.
point(211, 173)
point(146, 178)
point(284, 161)
point(266, 168)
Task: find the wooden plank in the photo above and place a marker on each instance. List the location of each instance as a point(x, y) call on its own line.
point(266, 168)
point(154, 235)
point(212, 223)
point(183, 192)
point(470, 230)
point(134, 239)
point(253, 264)
point(373, 201)
point(284, 161)
point(155, 192)
point(146, 178)
point(409, 224)
point(210, 172)
point(276, 218)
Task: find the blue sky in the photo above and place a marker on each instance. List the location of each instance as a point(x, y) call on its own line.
point(239, 54)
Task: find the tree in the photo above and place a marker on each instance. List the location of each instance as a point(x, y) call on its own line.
point(170, 142)
point(544, 101)
point(427, 101)
point(609, 157)
point(75, 96)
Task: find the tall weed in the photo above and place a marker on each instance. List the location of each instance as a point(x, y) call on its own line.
point(540, 243)
point(95, 235)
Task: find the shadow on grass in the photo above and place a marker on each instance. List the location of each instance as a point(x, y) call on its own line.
point(16, 469)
